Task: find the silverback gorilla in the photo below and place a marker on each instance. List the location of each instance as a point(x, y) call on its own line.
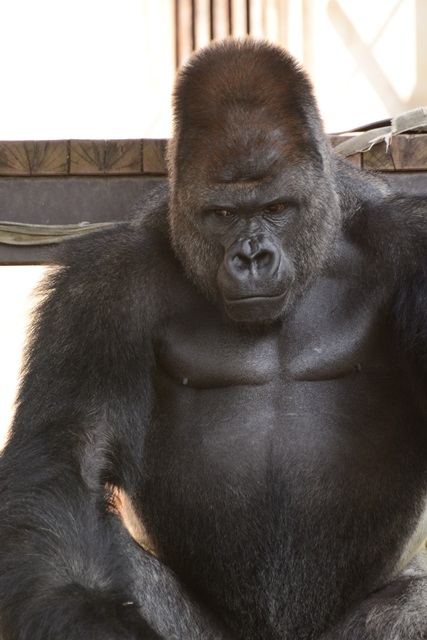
point(247, 363)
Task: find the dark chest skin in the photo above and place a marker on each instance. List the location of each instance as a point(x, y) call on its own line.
point(287, 455)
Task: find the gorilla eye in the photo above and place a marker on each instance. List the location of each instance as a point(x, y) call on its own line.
point(223, 213)
point(276, 207)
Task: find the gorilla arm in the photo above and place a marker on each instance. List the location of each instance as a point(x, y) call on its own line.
point(411, 323)
point(68, 569)
point(410, 303)
point(398, 611)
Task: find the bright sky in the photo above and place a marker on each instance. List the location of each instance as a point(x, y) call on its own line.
point(77, 69)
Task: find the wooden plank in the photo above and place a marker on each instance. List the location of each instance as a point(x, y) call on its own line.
point(356, 158)
point(16, 158)
point(123, 157)
point(409, 152)
point(34, 158)
point(87, 157)
point(50, 158)
point(153, 156)
point(406, 152)
point(378, 158)
point(105, 157)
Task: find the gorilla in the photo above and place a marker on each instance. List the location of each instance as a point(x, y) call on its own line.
point(221, 433)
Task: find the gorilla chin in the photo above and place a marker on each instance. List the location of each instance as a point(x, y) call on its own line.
point(262, 310)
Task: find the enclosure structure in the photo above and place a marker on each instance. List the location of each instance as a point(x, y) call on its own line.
point(87, 182)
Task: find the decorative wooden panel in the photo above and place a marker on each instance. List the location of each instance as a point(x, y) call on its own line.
point(106, 157)
point(407, 152)
point(153, 156)
point(34, 158)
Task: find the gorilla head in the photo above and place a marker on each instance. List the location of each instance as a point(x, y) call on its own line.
point(253, 207)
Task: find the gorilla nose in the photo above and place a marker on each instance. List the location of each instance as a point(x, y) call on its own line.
point(252, 257)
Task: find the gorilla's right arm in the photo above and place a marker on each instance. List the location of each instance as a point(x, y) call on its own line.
point(68, 569)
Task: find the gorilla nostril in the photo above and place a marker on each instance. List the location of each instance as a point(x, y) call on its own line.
point(241, 261)
point(260, 262)
point(253, 257)
point(263, 258)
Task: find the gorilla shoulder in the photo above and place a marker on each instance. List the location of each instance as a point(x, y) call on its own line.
point(104, 269)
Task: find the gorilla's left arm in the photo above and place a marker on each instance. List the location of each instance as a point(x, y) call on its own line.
point(67, 567)
point(398, 609)
point(396, 232)
point(410, 300)
point(410, 313)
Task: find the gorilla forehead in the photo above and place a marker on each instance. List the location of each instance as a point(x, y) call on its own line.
point(240, 72)
point(249, 145)
point(231, 164)
point(254, 109)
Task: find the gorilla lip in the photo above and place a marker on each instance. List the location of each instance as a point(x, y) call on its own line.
point(262, 308)
point(250, 299)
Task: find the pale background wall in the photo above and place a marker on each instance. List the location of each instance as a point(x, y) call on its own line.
point(16, 283)
point(104, 69)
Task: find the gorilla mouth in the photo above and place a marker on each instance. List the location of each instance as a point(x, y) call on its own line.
point(258, 309)
point(255, 299)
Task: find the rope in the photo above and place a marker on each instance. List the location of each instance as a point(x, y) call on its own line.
point(22, 234)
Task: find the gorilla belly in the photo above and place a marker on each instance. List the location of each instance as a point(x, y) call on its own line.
point(254, 486)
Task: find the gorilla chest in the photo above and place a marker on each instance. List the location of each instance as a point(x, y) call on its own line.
point(263, 442)
point(197, 351)
point(322, 378)
point(331, 333)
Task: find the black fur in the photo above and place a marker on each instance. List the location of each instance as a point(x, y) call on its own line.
point(246, 363)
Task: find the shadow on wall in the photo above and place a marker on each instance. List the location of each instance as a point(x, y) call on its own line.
point(367, 63)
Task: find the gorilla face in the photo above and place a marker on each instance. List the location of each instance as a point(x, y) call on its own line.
point(253, 228)
point(261, 227)
point(255, 275)
point(253, 246)
point(253, 208)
